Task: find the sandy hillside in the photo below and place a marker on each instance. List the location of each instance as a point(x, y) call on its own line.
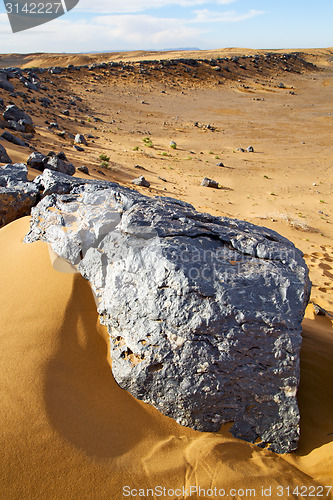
point(68, 431)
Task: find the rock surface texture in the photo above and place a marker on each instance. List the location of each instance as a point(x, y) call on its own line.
point(204, 313)
point(17, 194)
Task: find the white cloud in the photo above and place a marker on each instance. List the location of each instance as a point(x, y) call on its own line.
point(148, 31)
point(131, 6)
point(208, 16)
point(102, 33)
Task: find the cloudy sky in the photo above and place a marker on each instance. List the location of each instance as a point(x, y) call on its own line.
point(109, 25)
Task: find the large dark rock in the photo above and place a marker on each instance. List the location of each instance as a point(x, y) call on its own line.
point(204, 313)
point(16, 114)
point(4, 158)
point(13, 139)
point(55, 163)
point(52, 182)
point(5, 84)
point(17, 194)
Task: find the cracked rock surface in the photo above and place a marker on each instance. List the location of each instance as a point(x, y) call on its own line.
point(204, 313)
point(17, 194)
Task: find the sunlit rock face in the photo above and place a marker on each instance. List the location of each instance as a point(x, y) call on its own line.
point(204, 313)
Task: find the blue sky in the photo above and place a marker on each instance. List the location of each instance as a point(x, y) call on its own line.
point(108, 25)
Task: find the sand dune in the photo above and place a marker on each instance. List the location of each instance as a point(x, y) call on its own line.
point(68, 430)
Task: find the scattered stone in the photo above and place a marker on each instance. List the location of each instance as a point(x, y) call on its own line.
point(320, 311)
point(65, 112)
point(45, 102)
point(241, 150)
point(204, 313)
point(80, 139)
point(250, 149)
point(52, 162)
point(4, 158)
point(36, 160)
point(141, 181)
point(17, 194)
point(162, 179)
point(56, 70)
point(15, 140)
point(61, 155)
point(78, 148)
point(220, 164)
point(209, 183)
point(83, 169)
point(54, 125)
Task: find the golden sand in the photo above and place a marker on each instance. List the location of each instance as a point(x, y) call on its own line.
point(69, 432)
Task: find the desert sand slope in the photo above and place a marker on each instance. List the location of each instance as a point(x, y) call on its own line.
point(69, 432)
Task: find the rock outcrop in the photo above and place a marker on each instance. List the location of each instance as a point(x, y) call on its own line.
point(204, 313)
point(17, 194)
point(4, 157)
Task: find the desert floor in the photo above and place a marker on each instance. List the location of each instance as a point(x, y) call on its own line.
point(67, 429)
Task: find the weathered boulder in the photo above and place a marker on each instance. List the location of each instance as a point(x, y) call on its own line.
point(15, 114)
point(13, 139)
point(17, 194)
point(4, 158)
point(204, 313)
point(21, 126)
point(5, 84)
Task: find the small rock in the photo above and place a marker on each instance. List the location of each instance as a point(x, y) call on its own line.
point(209, 183)
point(220, 164)
point(80, 139)
point(78, 148)
point(36, 160)
point(250, 149)
point(83, 169)
point(141, 181)
point(65, 112)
